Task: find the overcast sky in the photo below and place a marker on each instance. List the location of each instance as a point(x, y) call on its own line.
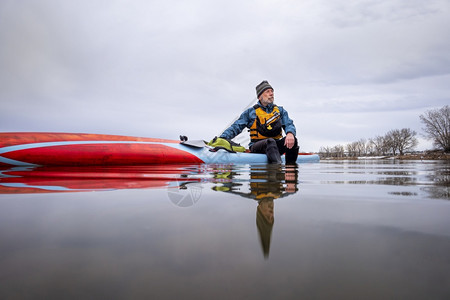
point(343, 69)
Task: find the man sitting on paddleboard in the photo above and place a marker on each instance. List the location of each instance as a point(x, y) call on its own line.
point(266, 122)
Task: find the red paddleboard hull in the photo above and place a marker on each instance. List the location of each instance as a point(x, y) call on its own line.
point(72, 149)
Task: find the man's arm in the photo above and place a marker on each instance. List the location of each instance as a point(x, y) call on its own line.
point(287, 122)
point(237, 127)
point(289, 128)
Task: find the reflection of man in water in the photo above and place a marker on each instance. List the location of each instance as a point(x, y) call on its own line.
point(267, 182)
point(264, 223)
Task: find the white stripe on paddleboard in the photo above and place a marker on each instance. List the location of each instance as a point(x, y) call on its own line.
point(15, 169)
point(48, 187)
point(16, 162)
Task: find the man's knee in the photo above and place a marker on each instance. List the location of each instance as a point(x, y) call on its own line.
point(272, 152)
point(271, 142)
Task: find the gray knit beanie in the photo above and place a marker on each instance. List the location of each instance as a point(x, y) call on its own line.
point(260, 88)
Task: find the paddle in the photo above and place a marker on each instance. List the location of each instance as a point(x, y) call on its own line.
point(239, 139)
point(193, 143)
point(243, 138)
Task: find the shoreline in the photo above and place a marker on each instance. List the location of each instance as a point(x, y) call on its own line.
point(421, 156)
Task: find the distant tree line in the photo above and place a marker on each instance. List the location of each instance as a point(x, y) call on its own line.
point(398, 141)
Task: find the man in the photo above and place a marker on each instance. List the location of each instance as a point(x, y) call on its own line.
point(266, 121)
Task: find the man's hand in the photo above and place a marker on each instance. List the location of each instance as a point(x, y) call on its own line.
point(290, 140)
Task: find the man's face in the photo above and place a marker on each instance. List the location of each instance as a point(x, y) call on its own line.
point(266, 97)
point(266, 207)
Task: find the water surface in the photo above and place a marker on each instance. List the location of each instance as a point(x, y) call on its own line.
point(340, 230)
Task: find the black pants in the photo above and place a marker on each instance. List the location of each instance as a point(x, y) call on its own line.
point(274, 149)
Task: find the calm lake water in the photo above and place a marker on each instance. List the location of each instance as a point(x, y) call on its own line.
point(328, 230)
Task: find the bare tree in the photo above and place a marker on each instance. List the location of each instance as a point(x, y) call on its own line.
point(361, 147)
point(325, 151)
point(370, 148)
point(390, 142)
point(407, 140)
point(356, 149)
point(401, 140)
point(437, 127)
point(380, 145)
point(338, 151)
point(351, 149)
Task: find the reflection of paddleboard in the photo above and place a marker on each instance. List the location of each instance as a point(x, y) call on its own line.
point(54, 179)
point(72, 149)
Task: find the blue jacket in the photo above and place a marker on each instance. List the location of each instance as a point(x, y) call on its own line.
point(248, 117)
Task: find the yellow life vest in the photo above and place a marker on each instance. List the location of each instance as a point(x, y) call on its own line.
point(266, 125)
